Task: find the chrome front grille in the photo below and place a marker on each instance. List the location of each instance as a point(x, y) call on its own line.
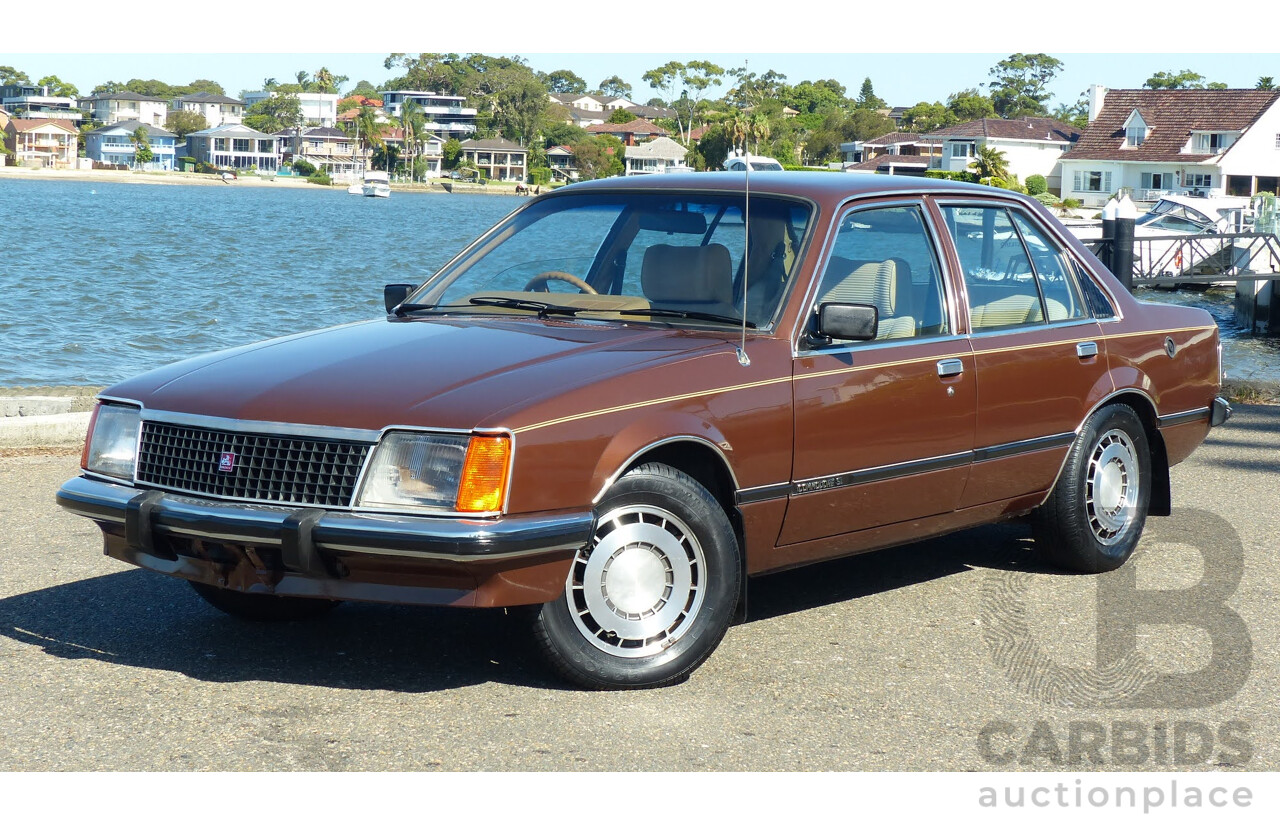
point(258, 467)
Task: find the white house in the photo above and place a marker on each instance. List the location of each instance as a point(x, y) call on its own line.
point(318, 108)
point(1210, 142)
point(446, 115)
point(235, 147)
point(654, 156)
point(1031, 145)
point(114, 108)
point(217, 109)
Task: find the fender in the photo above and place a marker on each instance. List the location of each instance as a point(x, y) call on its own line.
point(644, 434)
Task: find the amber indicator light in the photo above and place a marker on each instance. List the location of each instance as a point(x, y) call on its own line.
point(484, 474)
point(88, 437)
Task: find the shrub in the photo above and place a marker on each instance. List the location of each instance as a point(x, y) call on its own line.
point(1044, 197)
point(1070, 203)
point(1037, 185)
point(960, 175)
point(540, 176)
point(303, 167)
point(320, 178)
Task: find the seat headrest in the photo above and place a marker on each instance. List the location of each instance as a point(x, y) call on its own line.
point(687, 274)
point(874, 283)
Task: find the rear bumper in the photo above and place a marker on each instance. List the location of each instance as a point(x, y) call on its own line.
point(343, 554)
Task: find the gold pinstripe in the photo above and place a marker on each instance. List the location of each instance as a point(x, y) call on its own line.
point(843, 370)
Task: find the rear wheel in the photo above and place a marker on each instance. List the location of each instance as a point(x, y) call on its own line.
point(263, 607)
point(1094, 517)
point(652, 594)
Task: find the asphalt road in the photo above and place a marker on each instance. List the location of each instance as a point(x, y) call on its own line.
point(962, 653)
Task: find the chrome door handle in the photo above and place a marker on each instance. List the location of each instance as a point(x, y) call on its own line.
point(949, 367)
point(1086, 349)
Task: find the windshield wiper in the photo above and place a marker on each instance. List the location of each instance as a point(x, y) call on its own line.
point(541, 307)
point(685, 313)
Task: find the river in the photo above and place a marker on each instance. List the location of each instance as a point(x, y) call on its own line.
point(100, 281)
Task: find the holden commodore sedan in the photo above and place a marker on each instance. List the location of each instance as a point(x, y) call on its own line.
point(631, 396)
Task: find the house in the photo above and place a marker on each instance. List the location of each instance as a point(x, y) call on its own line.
point(113, 144)
point(33, 102)
point(430, 147)
point(631, 134)
point(654, 156)
point(318, 108)
point(113, 108)
point(562, 162)
point(1154, 142)
point(329, 150)
point(497, 158)
point(446, 115)
point(1031, 145)
point(894, 143)
point(44, 142)
point(234, 146)
point(592, 110)
point(217, 109)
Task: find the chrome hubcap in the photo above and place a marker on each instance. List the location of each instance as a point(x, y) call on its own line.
point(635, 590)
point(1111, 488)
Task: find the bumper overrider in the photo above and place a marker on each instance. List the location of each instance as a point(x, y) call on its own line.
point(334, 554)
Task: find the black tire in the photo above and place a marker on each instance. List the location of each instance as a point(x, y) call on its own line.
point(676, 569)
point(263, 607)
point(1093, 519)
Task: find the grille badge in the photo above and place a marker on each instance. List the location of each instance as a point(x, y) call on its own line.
point(227, 462)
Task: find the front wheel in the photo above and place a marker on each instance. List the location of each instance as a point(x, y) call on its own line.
point(263, 607)
point(1094, 517)
point(653, 592)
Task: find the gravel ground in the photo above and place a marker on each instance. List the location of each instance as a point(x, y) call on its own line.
point(897, 660)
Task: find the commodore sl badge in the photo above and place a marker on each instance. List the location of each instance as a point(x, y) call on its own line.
point(227, 463)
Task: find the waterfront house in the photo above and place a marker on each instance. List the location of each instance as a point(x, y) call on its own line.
point(1155, 142)
point(894, 144)
point(43, 142)
point(445, 115)
point(234, 146)
point(497, 158)
point(563, 163)
point(26, 100)
point(632, 133)
point(430, 147)
point(654, 156)
point(1031, 145)
point(329, 150)
point(113, 144)
point(217, 109)
point(318, 108)
point(114, 108)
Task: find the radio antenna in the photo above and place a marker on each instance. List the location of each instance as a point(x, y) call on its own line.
point(746, 254)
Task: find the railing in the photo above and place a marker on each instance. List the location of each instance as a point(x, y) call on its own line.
point(1171, 260)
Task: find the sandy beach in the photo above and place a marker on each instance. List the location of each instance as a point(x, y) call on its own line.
point(194, 179)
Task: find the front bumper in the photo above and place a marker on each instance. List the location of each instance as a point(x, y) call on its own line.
point(334, 554)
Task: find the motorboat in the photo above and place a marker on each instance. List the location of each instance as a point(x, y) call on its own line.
point(376, 185)
point(737, 162)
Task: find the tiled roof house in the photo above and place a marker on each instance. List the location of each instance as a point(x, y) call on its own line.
point(1031, 145)
point(1209, 142)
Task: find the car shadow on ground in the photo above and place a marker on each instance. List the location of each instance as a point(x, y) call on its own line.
point(139, 619)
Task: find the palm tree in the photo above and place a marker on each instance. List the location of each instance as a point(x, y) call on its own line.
point(1266, 83)
point(414, 125)
point(738, 130)
point(758, 128)
point(990, 162)
point(368, 128)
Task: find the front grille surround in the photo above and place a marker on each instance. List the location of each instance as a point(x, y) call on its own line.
point(269, 468)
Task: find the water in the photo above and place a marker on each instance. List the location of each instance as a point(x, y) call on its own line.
point(100, 281)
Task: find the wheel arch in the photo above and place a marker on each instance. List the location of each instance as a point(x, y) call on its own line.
point(1144, 407)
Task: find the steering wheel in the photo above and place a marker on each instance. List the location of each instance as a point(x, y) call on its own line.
point(538, 283)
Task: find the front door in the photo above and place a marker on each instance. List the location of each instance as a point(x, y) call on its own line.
point(883, 428)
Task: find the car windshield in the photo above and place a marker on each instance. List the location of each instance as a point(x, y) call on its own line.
point(1175, 217)
point(673, 257)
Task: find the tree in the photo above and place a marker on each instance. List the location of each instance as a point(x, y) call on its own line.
point(562, 134)
point(452, 151)
point(1020, 85)
point(57, 87)
point(326, 82)
point(435, 71)
point(11, 76)
point(364, 87)
point(369, 130)
point(599, 156)
point(1185, 79)
point(696, 77)
point(990, 162)
point(183, 123)
point(1266, 83)
point(415, 126)
point(204, 85)
point(142, 144)
point(815, 97)
point(563, 81)
point(925, 117)
point(867, 96)
point(283, 111)
point(713, 147)
point(970, 104)
point(1077, 115)
point(758, 129)
point(862, 124)
point(621, 115)
point(615, 87)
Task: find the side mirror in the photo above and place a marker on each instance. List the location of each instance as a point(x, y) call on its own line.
point(394, 294)
point(848, 322)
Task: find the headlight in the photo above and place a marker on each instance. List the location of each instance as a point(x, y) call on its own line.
point(112, 444)
point(430, 471)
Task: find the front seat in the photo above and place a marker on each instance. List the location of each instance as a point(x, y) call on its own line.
point(691, 278)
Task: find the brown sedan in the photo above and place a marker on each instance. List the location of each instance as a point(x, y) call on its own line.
point(632, 395)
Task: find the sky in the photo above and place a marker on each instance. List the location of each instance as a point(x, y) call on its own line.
point(929, 62)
